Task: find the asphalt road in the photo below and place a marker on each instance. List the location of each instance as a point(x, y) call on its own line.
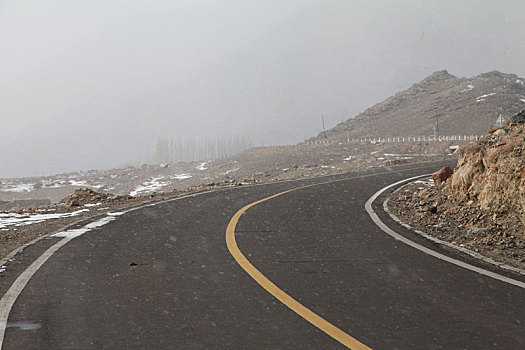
point(162, 277)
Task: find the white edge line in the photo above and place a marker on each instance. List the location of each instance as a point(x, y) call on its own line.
point(12, 294)
point(169, 199)
point(10, 297)
point(397, 236)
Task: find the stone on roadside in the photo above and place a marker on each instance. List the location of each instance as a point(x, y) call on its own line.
point(442, 175)
point(74, 203)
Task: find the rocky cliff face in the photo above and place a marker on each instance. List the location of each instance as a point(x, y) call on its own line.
point(462, 106)
point(491, 171)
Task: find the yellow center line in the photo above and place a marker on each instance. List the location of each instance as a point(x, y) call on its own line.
point(316, 320)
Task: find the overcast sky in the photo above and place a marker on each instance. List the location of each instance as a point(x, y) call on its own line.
point(93, 83)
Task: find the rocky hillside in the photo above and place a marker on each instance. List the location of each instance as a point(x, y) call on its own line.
point(491, 172)
point(462, 106)
point(480, 209)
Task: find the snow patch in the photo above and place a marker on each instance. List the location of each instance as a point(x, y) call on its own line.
point(72, 233)
point(201, 166)
point(52, 184)
point(521, 82)
point(426, 182)
point(13, 219)
point(153, 185)
point(522, 100)
point(88, 205)
point(180, 176)
point(469, 87)
point(81, 183)
point(348, 158)
point(19, 188)
point(409, 155)
point(482, 97)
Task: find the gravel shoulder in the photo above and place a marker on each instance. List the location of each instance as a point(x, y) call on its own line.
point(437, 213)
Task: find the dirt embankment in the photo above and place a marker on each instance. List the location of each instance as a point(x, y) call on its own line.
point(481, 207)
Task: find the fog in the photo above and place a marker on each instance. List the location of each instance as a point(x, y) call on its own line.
point(93, 84)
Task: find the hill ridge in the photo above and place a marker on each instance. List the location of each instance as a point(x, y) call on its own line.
point(461, 105)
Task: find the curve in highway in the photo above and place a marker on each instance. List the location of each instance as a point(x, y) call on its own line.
point(162, 277)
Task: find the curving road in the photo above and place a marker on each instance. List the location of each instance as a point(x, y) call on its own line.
point(163, 277)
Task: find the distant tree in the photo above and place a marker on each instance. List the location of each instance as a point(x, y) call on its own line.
point(162, 151)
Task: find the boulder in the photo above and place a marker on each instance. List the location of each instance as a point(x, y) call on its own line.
point(518, 118)
point(442, 175)
point(74, 203)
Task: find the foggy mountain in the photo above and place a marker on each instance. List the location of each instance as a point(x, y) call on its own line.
point(466, 106)
point(104, 101)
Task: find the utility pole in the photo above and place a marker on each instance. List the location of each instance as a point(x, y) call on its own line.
point(324, 129)
point(436, 130)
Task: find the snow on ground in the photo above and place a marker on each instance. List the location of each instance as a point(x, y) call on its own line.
point(150, 186)
point(522, 100)
point(348, 158)
point(482, 97)
point(180, 176)
point(201, 166)
point(52, 184)
point(469, 87)
point(231, 171)
point(110, 188)
point(410, 155)
point(425, 182)
point(521, 82)
point(81, 183)
point(19, 188)
point(72, 233)
point(13, 219)
point(92, 204)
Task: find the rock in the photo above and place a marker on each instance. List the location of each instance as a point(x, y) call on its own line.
point(30, 209)
point(493, 130)
point(85, 196)
point(518, 118)
point(474, 230)
point(442, 175)
point(74, 203)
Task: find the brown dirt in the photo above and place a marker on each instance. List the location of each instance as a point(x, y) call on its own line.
point(439, 213)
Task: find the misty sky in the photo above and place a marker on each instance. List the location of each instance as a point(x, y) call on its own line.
point(92, 83)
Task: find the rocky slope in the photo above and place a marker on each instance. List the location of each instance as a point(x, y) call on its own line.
point(481, 207)
point(491, 172)
point(462, 106)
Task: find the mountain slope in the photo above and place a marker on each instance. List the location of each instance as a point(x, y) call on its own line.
point(461, 105)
